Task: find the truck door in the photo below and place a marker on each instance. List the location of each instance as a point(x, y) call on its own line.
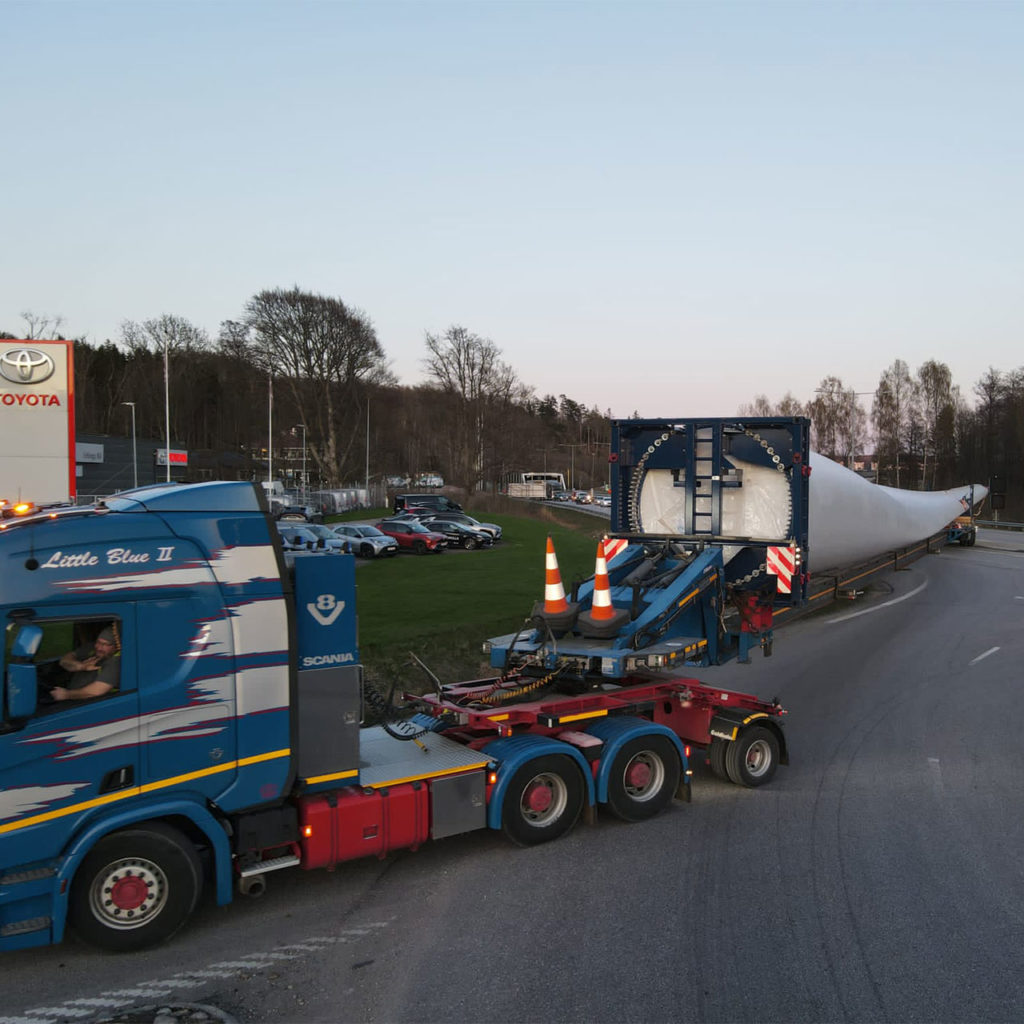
point(74, 759)
point(187, 694)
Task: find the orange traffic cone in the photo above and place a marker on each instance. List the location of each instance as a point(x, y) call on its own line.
point(554, 592)
point(557, 613)
point(601, 605)
point(603, 620)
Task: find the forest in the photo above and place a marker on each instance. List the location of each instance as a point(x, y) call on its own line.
point(315, 368)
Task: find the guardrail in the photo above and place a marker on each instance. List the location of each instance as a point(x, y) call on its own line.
point(826, 588)
point(998, 524)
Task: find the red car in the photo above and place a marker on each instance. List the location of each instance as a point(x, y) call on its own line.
point(412, 536)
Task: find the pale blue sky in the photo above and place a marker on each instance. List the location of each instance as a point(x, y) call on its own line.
point(661, 207)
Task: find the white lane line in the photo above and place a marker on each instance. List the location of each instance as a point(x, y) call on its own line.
point(980, 657)
point(878, 607)
point(161, 989)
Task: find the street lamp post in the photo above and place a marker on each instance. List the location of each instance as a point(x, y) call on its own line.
point(302, 427)
point(572, 462)
point(135, 453)
point(167, 406)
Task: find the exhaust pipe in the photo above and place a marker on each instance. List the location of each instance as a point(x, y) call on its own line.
point(254, 885)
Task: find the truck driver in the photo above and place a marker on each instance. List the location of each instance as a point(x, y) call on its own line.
point(95, 669)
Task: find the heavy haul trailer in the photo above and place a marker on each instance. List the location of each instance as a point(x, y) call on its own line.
point(716, 525)
point(231, 745)
point(708, 537)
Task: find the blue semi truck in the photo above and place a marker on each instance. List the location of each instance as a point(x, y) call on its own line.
point(234, 745)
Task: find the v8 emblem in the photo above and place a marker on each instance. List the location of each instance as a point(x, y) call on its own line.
point(325, 609)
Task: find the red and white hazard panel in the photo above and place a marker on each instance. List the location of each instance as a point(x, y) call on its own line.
point(781, 562)
point(613, 547)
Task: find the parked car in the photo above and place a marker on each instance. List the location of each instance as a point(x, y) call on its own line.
point(367, 541)
point(461, 517)
point(459, 535)
point(303, 537)
point(300, 514)
point(413, 536)
point(328, 536)
point(437, 502)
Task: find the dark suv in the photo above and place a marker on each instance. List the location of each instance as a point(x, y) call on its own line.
point(431, 502)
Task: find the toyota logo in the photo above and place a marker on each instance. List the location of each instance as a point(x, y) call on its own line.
point(26, 366)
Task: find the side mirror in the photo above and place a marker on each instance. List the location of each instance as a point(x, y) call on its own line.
point(26, 643)
point(20, 691)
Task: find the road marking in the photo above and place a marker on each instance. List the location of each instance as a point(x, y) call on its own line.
point(154, 990)
point(991, 650)
point(878, 607)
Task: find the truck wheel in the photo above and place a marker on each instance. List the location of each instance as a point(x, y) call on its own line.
point(419, 547)
point(751, 758)
point(644, 778)
point(543, 800)
point(135, 888)
point(716, 757)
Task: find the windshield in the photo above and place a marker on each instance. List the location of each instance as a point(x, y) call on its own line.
point(368, 531)
point(322, 531)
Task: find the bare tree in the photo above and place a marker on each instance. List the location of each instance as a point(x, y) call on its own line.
point(760, 406)
point(469, 369)
point(325, 353)
point(171, 345)
point(42, 326)
point(935, 390)
point(837, 420)
point(891, 414)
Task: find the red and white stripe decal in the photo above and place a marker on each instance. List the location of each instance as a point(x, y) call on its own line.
point(781, 562)
point(614, 546)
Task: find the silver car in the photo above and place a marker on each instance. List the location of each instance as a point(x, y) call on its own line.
point(309, 537)
point(366, 541)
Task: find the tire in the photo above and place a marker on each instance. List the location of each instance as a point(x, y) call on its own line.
point(751, 758)
point(470, 543)
point(543, 800)
point(366, 551)
point(419, 547)
point(135, 888)
point(716, 757)
point(644, 777)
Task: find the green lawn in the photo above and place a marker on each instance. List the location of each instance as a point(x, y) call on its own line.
point(442, 607)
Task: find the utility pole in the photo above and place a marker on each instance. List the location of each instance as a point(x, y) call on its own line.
point(135, 451)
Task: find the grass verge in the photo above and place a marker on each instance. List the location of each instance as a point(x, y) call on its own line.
point(442, 607)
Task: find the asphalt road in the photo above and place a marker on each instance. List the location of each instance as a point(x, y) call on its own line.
point(878, 878)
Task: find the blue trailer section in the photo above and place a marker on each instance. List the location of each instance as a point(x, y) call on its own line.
point(708, 514)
